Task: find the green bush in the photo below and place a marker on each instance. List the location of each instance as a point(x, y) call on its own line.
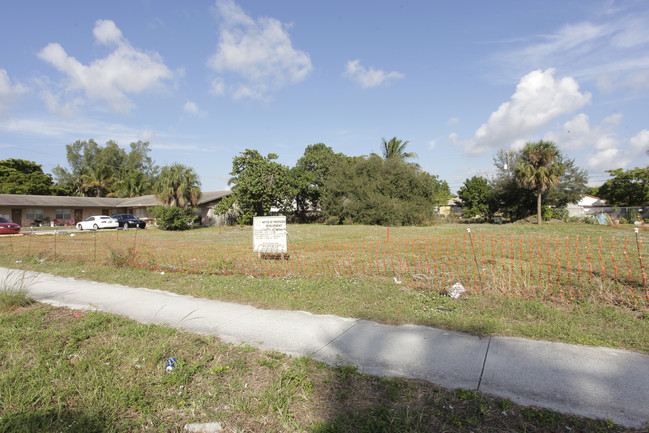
point(387, 192)
point(624, 221)
point(560, 214)
point(245, 219)
point(332, 221)
point(172, 217)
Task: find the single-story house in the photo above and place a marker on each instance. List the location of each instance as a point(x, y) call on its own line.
point(588, 205)
point(31, 210)
point(453, 207)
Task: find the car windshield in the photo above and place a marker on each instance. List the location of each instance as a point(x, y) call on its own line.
point(4, 220)
point(129, 216)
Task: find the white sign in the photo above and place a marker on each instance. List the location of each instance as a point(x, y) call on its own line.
point(269, 234)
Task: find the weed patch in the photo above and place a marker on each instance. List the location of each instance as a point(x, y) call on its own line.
point(14, 288)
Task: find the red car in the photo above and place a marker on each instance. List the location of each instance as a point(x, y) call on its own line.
point(7, 226)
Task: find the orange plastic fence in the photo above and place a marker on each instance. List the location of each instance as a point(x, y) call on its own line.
point(570, 267)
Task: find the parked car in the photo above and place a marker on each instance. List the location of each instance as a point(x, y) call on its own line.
point(7, 226)
point(128, 220)
point(98, 222)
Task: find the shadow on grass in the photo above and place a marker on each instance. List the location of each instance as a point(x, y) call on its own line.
point(51, 420)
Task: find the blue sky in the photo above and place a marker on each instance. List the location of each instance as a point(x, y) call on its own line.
point(202, 81)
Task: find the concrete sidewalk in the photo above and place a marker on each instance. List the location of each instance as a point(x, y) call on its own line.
point(590, 381)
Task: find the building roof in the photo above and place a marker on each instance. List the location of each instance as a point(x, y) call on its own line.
point(20, 200)
point(61, 201)
point(591, 201)
point(210, 196)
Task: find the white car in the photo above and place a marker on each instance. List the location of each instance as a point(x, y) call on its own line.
point(98, 222)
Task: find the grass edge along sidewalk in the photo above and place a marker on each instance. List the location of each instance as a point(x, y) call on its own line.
point(382, 300)
point(258, 327)
point(84, 371)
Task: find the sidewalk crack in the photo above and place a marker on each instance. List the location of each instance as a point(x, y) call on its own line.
point(336, 338)
point(484, 362)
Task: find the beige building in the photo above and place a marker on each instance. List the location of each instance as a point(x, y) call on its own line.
point(452, 208)
point(35, 210)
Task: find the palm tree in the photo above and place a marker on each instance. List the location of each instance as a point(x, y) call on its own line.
point(396, 149)
point(178, 185)
point(96, 182)
point(540, 167)
point(133, 183)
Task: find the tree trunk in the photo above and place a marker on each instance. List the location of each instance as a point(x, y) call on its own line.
point(539, 218)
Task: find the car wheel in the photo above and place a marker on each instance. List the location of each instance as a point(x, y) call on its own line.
point(79, 226)
point(96, 227)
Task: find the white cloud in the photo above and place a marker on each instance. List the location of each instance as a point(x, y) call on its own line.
point(575, 135)
point(106, 32)
point(613, 120)
point(539, 99)
point(369, 77)
point(64, 129)
point(243, 91)
point(611, 51)
point(126, 70)
point(8, 92)
point(217, 86)
point(606, 159)
point(149, 135)
point(600, 148)
point(452, 121)
point(259, 51)
point(640, 142)
point(431, 144)
point(191, 108)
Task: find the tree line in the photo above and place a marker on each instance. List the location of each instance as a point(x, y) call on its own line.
point(386, 189)
point(529, 181)
point(382, 189)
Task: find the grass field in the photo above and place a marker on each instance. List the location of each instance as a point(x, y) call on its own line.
point(73, 371)
point(593, 320)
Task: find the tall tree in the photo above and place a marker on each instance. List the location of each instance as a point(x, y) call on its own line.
point(258, 183)
point(395, 148)
point(540, 168)
point(310, 175)
point(178, 185)
point(517, 201)
point(477, 197)
point(96, 182)
point(383, 192)
point(107, 170)
point(626, 188)
point(19, 176)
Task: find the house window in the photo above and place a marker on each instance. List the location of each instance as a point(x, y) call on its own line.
point(64, 214)
point(34, 214)
point(140, 212)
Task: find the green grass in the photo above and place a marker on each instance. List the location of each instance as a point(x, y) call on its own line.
point(77, 371)
point(14, 290)
point(319, 233)
point(594, 320)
